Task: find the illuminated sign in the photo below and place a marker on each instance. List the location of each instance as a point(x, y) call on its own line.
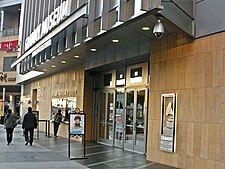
point(57, 15)
point(168, 123)
point(9, 46)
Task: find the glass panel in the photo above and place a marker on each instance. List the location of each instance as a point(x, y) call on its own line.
point(109, 130)
point(129, 119)
point(113, 17)
point(102, 116)
point(139, 138)
point(130, 8)
point(119, 118)
point(108, 79)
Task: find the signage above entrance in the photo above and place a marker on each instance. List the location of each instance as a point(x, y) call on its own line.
point(53, 19)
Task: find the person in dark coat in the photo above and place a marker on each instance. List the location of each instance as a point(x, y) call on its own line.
point(9, 123)
point(57, 120)
point(29, 123)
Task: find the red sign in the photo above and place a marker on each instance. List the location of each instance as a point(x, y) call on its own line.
point(9, 46)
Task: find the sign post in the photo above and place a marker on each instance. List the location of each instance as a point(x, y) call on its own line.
point(77, 125)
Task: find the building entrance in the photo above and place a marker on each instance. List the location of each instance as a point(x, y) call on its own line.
point(122, 118)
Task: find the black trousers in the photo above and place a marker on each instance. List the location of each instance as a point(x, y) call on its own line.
point(56, 127)
point(9, 134)
point(31, 130)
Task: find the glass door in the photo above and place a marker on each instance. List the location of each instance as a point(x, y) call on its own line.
point(119, 118)
point(106, 117)
point(135, 123)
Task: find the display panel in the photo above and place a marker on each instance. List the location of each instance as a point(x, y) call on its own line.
point(168, 122)
point(77, 122)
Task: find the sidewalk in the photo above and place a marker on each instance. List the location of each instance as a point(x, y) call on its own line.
point(52, 153)
point(18, 156)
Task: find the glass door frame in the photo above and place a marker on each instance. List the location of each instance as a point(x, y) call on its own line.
point(98, 103)
point(145, 110)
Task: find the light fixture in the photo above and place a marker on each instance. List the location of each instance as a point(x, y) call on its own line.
point(145, 28)
point(93, 49)
point(76, 56)
point(115, 40)
point(60, 53)
point(77, 44)
point(45, 70)
point(159, 28)
point(67, 49)
point(63, 61)
point(53, 57)
point(53, 66)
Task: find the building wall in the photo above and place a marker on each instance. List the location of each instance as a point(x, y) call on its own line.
point(209, 17)
point(64, 84)
point(3, 53)
point(195, 70)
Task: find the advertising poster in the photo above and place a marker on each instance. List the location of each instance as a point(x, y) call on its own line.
point(77, 123)
point(168, 122)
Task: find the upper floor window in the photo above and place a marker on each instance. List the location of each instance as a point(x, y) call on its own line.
point(113, 16)
point(7, 64)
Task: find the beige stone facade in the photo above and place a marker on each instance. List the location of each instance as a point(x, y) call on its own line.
point(64, 84)
point(195, 70)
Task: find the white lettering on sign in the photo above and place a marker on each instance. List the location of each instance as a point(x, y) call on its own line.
point(42, 47)
point(56, 16)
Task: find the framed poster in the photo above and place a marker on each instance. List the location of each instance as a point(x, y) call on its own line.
point(168, 122)
point(77, 124)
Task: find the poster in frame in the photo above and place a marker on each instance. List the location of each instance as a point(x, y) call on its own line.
point(168, 122)
point(77, 124)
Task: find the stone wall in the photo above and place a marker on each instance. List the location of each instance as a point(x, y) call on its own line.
point(195, 70)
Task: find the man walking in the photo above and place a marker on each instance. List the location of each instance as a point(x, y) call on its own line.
point(29, 123)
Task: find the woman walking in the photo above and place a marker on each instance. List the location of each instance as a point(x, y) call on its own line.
point(9, 123)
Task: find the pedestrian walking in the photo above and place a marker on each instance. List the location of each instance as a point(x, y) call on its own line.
point(29, 123)
point(9, 123)
point(57, 120)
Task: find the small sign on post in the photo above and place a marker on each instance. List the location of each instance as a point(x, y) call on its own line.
point(77, 122)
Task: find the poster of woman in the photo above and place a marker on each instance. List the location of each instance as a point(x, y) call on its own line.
point(77, 122)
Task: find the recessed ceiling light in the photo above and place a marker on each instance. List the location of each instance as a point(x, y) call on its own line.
point(76, 56)
point(115, 40)
point(53, 65)
point(63, 61)
point(53, 57)
point(93, 49)
point(145, 28)
point(60, 53)
point(45, 69)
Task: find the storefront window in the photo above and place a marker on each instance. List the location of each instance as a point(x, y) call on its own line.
point(66, 105)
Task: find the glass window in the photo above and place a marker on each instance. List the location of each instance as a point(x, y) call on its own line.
point(7, 64)
point(130, 8)
point(113, 17)
point(108, 79)
point(136, 75)
point(120, 77)
point(66, 105)
point(113, 4)
point(97, 25)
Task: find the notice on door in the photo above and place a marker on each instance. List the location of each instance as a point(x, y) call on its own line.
point(168, 122)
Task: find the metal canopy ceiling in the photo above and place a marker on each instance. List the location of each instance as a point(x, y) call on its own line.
point(129, 34)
